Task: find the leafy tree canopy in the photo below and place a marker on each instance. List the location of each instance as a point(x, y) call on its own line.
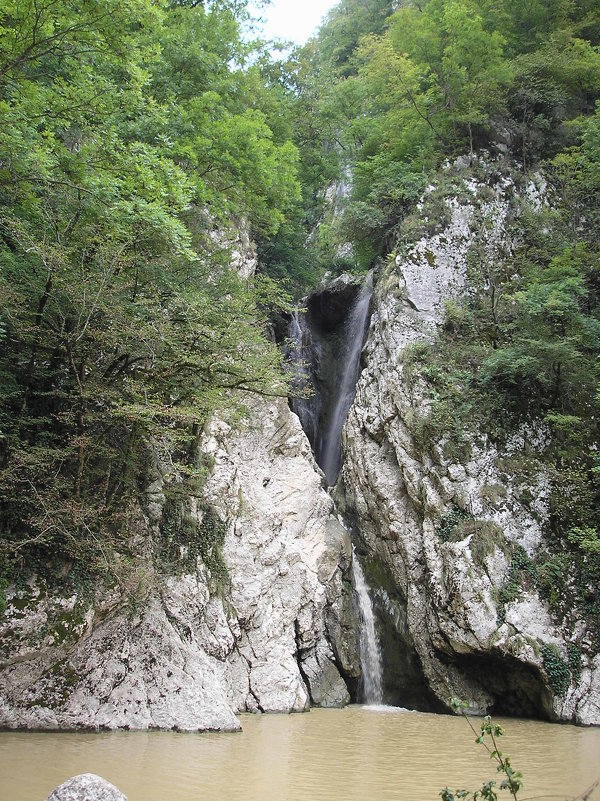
point(134, 133)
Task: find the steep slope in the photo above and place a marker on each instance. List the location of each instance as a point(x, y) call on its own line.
point(446, 530)
point(174, 650)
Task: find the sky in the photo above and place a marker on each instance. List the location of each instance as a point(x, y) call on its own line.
point(294, 20)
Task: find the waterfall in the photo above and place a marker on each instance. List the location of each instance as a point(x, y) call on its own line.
point(330, 372)
point(370, 656)
point(354, 334)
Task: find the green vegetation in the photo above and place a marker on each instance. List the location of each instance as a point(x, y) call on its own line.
point(135, 136)
point(567, 580)
point(557, 670)
point(574, 660)
point(186, 536)
point(388, 91)
point(487, 736)
point(449, 529)
point(485, 535)
point(521, 574)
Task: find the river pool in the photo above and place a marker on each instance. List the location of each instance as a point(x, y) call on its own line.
point(357, 753)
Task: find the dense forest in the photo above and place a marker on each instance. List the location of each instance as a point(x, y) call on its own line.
point(138, 136)
point(135, 136)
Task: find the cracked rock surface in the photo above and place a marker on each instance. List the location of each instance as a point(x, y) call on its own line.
point(178, 652)
point(439, 600)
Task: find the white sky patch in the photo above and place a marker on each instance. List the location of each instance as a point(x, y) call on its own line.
point(293, 20)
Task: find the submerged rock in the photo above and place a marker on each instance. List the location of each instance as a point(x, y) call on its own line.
point(86, 787)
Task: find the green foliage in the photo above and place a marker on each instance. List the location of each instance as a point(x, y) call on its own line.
point(386, 96)
point(568, 580)
point(557, 669)
point(461, 63)
point(187, 537)
point(523, 347)
point(574, 660)
point(456, 318)
point(550, 578)
point(135, 136)
point(390, 90)
point(285, 258)
point(346, 23)
point(553, 83)
point(386, 92)
point(448, 370)
point(485, 535)
point(586, 539)
point(449, 529)
point(488, 737)
point(521, 573)
point(550, 356)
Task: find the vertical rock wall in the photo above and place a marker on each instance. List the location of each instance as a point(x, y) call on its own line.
point(167, 650)
point(438, 601)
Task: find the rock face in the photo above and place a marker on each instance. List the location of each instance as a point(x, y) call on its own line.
point(283, 554)
point(86, 787)
point(438, 601)
point(168, 650)
point(240, 247)
point(316, 346)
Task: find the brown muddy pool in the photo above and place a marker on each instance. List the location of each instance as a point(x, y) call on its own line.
point(357, 753)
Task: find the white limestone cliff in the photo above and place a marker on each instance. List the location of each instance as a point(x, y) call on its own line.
point(170, 652)
point(447, 600)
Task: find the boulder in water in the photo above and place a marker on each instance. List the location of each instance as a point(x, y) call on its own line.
point(86, 787)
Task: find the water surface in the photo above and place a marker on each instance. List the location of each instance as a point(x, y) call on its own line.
point(352, 754)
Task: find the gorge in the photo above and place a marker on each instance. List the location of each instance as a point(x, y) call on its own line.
point(290, 637)
point(299, 370)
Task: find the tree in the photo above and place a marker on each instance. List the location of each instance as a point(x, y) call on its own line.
point(461, 61)
point(123, 324)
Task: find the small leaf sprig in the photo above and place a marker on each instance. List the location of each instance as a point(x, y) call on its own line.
point(488, 737)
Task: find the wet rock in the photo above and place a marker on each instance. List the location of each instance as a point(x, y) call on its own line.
point(86, 787)
point(326, 686)
point(328, 306)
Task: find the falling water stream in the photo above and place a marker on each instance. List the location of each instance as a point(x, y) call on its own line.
point(370, 655)
point(331, 460)
point(323, 419)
